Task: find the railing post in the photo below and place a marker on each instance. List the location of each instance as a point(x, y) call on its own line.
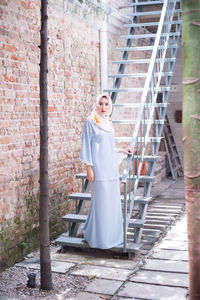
point(125, 217)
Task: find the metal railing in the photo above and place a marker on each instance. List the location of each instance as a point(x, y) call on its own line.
point(146, 114)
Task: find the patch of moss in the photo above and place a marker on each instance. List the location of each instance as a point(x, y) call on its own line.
point(17, 220)
point(20, 235)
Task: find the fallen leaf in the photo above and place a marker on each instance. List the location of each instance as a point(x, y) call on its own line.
point(92, 276)
point(86, 263)
point(104, 297)
point(190, 80)
point(196, 22)
point(195, 117)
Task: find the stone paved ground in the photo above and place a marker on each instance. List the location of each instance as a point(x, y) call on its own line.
point(163, 274)
point(159, 273)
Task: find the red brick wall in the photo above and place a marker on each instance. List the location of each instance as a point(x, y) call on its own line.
point(73, 86)
point(73, 83)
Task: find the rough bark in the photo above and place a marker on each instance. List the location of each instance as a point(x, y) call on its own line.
point(45, 262)
point(191, 137)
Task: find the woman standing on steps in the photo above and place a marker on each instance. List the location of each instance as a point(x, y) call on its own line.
point(104, 226)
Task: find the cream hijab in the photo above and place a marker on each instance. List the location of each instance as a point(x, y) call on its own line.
point(103, 122)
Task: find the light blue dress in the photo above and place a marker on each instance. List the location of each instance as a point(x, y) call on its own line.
point(104, 226)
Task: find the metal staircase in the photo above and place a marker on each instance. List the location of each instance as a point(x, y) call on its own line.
point(161, 26)
point(172, 152)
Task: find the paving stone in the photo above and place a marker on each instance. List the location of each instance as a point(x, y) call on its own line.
point(124, 298)
point(180, 226)
point(8, 298)
point(92, 260)
point(105, 286)
point(174, 193)
point(167, 206)
point(170, 254)
point(166, 265)
point(161, 278)
point(179, 199)
point(176, 236)
point(178, 230)
point(152, 292)
point(102, 272)
point(56, 266)
point(173, 245)
point(162, 210)
point(87, 296)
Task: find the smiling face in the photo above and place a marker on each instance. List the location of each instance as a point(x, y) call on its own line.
point(103, 108)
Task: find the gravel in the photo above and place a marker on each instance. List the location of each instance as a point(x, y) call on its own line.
point(13, 283)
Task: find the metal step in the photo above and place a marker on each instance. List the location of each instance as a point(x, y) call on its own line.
point(80, 196)
point(74, 218)
point(136, 75)
point(140, 199)
point(155, 226)
point(87, 196)
point(149, 13)
point(147, 35)
point(134, 105)
point(154, 232)
point(149, 24)
point(161, 214)
point(143, 61)
point(157, 222)
point(140, 139)
point(124, 122)
point(135, 223)
point(147, 157)
point(135, 90)
point(65, 240)
point(148, 3)
point(164, 206)
point(143, 48)
point(144, 179)
point(159, 218)
point(160, 210)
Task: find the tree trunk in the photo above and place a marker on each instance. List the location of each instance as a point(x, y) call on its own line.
point(45, 262)
point(191, 137)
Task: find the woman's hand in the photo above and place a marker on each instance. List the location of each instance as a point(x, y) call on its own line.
point(90, 173)
point(128, 151)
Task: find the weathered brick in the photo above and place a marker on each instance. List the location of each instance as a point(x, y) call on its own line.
point(10, 48)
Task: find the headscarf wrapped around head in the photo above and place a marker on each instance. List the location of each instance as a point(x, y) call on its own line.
point(105, 121)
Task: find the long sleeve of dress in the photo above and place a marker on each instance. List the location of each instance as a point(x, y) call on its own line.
point(86, 152)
